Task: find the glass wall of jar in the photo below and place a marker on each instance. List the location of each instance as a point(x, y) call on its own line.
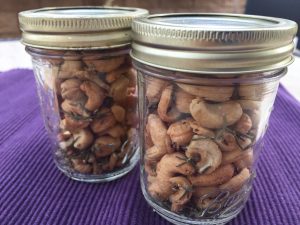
point(202, 122)
point(87, 88)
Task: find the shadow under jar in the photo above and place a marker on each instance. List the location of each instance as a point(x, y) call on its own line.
point(86, 86)
point(206, 93)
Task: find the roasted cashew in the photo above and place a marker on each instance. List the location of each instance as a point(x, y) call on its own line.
point(158, 133)
point(105, 65)
point(132, 76)
point(215, 115)
point(236, 183)
point(198, 129)
point(250, 104)
point(211, 93)
point(147, 137)
point(205, 153)
point(83, 139)
point(105, 146)
point(227, 142)
point(150, 168)
point(154, 154)
point(132, 118)
point(257, 91)
point(244, 124)
point(230, 157)
point(180, 133)
point(70, 124)
point(116, 74)
point(154, 88)
point(183, 101)
point(112, 163)
point(169, 166)
point(183, 193)
point(74, 108)
point(208, 203)
point(116, 131)
point(118, 112)
point(84, 75)
point(118, 89)
point(210, 192)
point(65, 139)
point(80, 166)
point(219, 176)
point(71, 66)
point(94, 94)
point(165, 103)
point(245, 162)
point(103, 123)
point(70, 90)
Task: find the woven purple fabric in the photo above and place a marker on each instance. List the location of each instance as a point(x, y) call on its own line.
point(33, 191)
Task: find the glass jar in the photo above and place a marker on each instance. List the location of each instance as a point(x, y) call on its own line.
point(86, 86)
point(207, 84)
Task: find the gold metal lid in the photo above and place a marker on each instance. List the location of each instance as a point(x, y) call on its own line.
point(86, 27)
point(213, 43)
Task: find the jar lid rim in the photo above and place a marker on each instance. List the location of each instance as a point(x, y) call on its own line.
point(234, 42)
point(78, 27)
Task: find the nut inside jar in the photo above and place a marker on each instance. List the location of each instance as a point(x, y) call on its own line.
point(199, 143)
point(96, 96)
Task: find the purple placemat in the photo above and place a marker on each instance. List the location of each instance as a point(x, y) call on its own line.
point(33, 191)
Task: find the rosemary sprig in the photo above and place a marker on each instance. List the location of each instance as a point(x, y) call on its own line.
point(185, 161)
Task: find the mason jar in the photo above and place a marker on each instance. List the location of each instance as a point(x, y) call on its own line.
point(207, 84)
point(86, 87)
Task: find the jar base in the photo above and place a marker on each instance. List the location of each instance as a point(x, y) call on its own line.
point(110, 176)
point(183, 220)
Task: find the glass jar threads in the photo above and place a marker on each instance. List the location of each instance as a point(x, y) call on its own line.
point(87, 87)
point(207, 84)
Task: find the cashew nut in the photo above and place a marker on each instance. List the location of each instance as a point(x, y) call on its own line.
point(211, 93)
point(205, 153)
point(118, 89)
point(227, 142)
point(70, 124)
point(71, 66)
point(165, 103)
point(158, 133)
point(183, 192)
point(246, 161)
point(180, 133)
point(105, 65)
point(201, 131)
point(244, 124)
point(257, 91)
point(81, 167)
point(83, 139)
point(215, 115)
point(101, 124)
point(219, 176)
point(236, 183)
point(105, 146)
point(65, 139)
point(94, 94)
point(74, 109)
point(118, 112)
point(154, 154)
point(230, 157)
point(183, 101)
point(154, 89)
point(115, 74)
point(70, 89)
point(169, 166)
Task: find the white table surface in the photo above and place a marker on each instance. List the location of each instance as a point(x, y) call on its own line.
point(13, 55)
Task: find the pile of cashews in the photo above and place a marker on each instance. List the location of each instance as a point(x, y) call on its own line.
point(198, 140)
point(97, 101)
